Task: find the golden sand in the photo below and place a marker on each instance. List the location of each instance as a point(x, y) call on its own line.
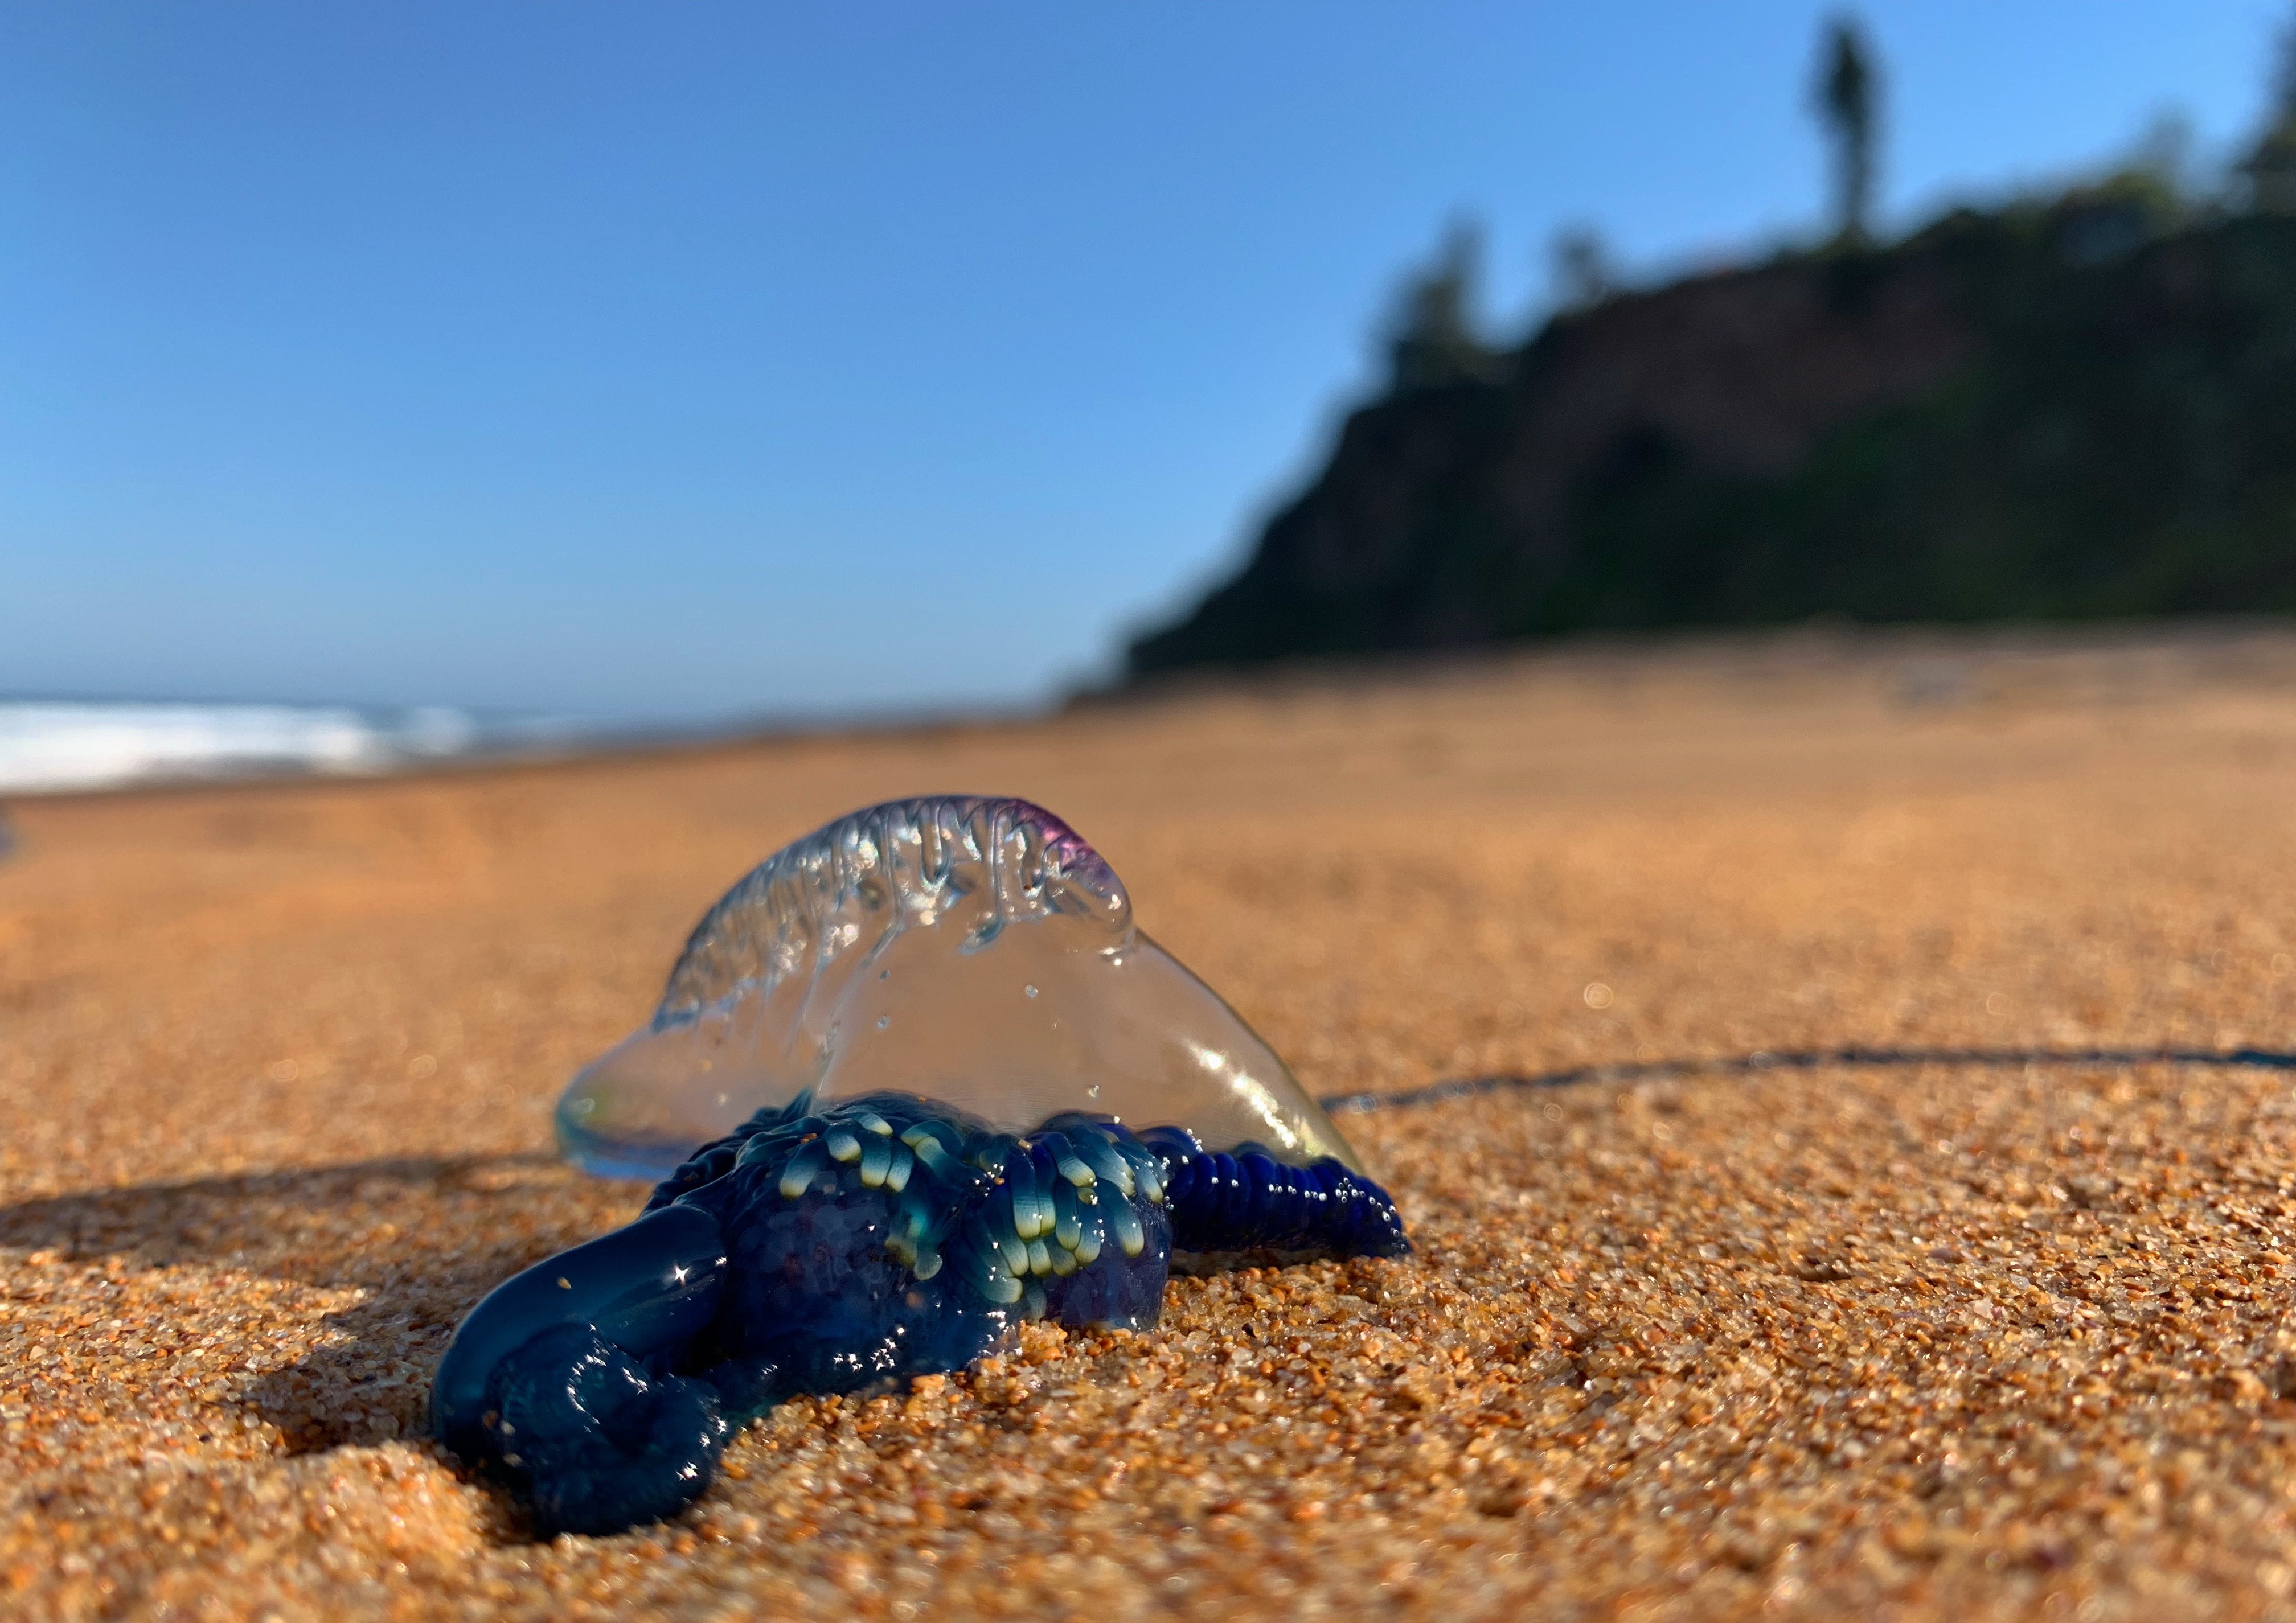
point(1966, 1340)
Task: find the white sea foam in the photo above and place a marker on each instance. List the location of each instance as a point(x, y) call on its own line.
point(59, 746)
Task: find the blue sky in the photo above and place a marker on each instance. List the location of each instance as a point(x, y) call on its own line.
point(691, 359)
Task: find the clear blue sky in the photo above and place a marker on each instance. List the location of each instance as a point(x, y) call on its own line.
point(662, 359)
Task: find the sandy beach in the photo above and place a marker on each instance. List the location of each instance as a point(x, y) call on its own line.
point(1916, 1338)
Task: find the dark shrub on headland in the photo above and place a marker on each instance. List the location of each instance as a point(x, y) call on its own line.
point(2080, 409)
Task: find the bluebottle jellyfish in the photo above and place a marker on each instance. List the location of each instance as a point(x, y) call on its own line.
point(940, 1083)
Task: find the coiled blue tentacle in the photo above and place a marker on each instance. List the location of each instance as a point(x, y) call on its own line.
point(599, 1443)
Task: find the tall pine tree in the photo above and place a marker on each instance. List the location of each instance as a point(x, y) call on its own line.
point(1849, 94)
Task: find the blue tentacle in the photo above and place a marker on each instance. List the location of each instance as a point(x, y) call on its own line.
point(1246, 1199)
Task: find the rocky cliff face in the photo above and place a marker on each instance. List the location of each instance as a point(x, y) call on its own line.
point(1903, 433)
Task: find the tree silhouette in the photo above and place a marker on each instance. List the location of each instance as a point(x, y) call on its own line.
point(1847, 98)
point(1581, 272)
point(1433, 339)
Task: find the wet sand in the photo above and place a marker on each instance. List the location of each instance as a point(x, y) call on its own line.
point(1916, 1339)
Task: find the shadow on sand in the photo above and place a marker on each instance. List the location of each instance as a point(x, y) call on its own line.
point(420, 1238)
point(1852, 1057)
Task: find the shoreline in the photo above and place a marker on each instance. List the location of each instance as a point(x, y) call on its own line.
point(2199, 650)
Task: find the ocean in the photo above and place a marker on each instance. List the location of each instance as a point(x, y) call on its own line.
point(56, 746)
